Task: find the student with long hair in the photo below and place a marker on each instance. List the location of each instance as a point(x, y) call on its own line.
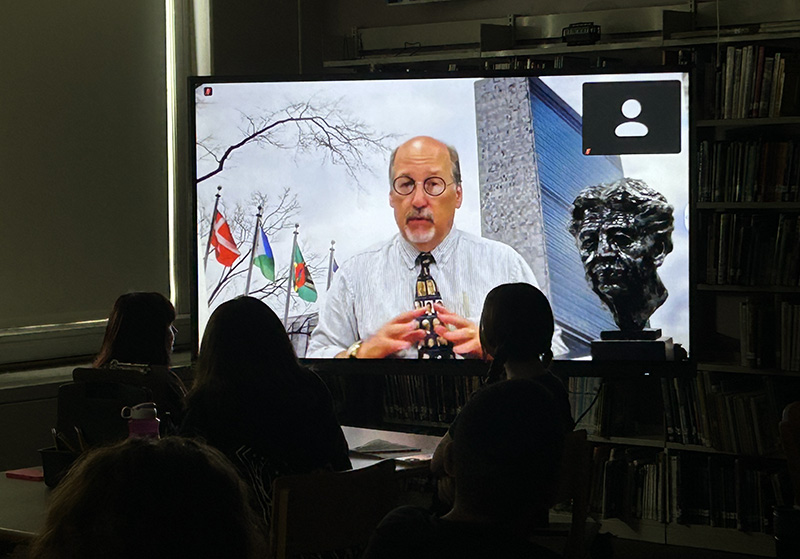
point(516, 332)
point(140, 330)
point(150, 498)
point(253, 400)
point(139, 337)
point(504, 458)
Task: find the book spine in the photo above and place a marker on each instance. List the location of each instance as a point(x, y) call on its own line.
point(766, 87)
point(746, 94)
point(704, 426)
point(776, 72)
point(779, 92)
point(728, 88)
point(758, 80)
point(737, 82)
point(712, 249)
point(703, 193)
point(724, 241)
point(691, 410)
point(674, 484)
point(793, 343)
point(683, 416)
point(669, 418)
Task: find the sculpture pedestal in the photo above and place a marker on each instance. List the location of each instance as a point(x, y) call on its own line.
point(644, 334)
point(626, 346)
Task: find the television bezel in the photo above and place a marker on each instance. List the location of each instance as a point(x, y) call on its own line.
point(682, 365)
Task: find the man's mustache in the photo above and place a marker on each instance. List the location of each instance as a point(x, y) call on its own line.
point(423, 213)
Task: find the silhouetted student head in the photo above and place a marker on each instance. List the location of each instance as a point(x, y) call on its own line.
point(150, 498)
point(140, 330)
point(506, 450)
point(516, 325)
point(245, 347)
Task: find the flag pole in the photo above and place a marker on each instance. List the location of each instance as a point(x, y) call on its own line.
point(290, 286)
point(330, 266)
point(253, 252)
point(211, 231)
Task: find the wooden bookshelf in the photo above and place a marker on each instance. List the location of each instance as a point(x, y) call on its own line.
point(715, 324)
point(747, 205)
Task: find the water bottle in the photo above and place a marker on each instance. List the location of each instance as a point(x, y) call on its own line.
point(142, 420)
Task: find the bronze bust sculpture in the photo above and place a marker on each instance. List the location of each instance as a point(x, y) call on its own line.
point(624, 231)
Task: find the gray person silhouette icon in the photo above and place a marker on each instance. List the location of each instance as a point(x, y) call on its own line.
point(631, 128)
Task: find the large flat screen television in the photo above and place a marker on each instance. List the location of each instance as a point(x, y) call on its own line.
point(299, 170)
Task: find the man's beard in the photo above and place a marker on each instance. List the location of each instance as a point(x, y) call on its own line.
point(416, 234)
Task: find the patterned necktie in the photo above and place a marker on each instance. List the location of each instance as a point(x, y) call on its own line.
point(426, 294)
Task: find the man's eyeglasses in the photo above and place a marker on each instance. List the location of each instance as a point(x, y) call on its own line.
point(433, 186)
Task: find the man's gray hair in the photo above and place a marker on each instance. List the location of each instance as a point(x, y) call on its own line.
point(455, 165)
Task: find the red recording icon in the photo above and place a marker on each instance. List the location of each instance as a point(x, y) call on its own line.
point(207, 91)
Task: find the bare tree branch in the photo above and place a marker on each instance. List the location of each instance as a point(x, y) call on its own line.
point(323, 127)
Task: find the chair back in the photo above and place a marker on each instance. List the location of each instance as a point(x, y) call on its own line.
point(326, 511)
point(790, 439)
point(166, 388)
point(94, 409)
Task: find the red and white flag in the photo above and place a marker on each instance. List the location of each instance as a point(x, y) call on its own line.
point(222, 240)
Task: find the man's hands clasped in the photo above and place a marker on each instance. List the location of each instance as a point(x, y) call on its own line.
point(403, 332)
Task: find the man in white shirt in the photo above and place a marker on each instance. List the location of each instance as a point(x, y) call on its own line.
point(367, 311)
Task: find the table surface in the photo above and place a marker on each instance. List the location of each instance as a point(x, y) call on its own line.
point(23, 503)
point(357, 436)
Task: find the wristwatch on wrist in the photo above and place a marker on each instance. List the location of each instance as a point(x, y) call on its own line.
point(352, 351)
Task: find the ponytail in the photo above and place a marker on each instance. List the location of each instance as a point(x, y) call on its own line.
point(496, 367)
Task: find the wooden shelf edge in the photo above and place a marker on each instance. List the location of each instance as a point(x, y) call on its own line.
point(630, 441)
point(747, 122)
point(721, 539)
point(740, 206)
point(733, 368)
point(748, 288)
point(557, 48)
point(444, 55)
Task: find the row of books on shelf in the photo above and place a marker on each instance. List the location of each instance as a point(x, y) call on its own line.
point(686, 488)
point(727, 413)
point(426, 399)
point(769, 334)
point(438, 399)
point(725, 492)
point(629, 484)
point(752, 81)
point(754, 249)
point(748, 171)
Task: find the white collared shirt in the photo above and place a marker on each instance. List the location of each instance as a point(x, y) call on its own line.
point(378, 284)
